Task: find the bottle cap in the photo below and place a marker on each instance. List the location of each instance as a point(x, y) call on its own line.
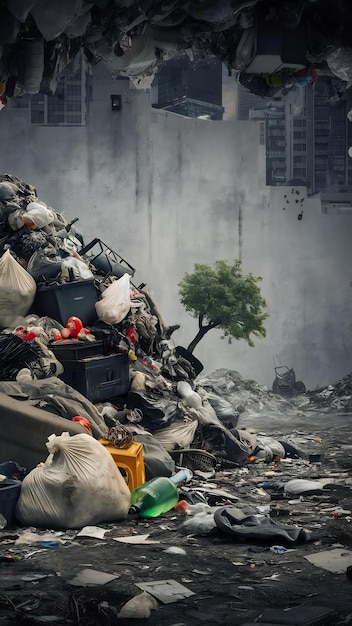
point(181, 506)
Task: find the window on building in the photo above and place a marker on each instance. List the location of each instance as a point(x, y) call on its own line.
point(297, 134)
point(277, 132)
point(299, 159)
point(275, 153)
point(69, 105)
point(299, 172)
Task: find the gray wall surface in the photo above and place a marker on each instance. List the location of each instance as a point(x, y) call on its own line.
point(166, 192)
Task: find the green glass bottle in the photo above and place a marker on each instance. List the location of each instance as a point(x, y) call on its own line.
point(158, 495)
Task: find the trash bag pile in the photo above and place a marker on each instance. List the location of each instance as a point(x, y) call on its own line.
point(112, 361)
point(40, 38)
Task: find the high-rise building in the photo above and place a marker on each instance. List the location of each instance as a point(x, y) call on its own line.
point(308, 135)
point(68, 105)
point(192, 89)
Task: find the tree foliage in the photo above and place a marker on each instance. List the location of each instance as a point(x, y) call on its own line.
point(223, 297)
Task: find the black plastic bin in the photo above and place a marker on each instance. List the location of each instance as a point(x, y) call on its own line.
point(75, 349)
point(60, 301)
point(98, 378)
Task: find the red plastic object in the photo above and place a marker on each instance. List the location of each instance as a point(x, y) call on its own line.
point(29, 335)
point(132, 335)
point(82, 420)
point(74, 324)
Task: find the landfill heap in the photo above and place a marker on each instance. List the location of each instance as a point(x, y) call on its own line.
point(336, 397)
point(85, 341)
point(133, 39)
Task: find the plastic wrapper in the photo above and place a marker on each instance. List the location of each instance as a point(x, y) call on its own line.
point(79, 484)
point(223, 409)
point(115, 302)
point(158, 412)
point(44, 265)
point(75, 269)
point(180, 434)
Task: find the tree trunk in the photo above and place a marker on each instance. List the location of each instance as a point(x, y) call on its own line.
point(200, 334)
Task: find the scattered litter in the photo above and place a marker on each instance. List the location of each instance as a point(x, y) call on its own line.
point(51, 544)
point(31, 576)
point(335, 560)
point(28, 537)
point(92, 531)
point(166, 591)
point(136, 539)
point(298, 486)
point(175, 550)
point(278, 549)
point(139, 607)
point(90, 578)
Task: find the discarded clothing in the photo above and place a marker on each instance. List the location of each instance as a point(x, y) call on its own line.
point(233, 522)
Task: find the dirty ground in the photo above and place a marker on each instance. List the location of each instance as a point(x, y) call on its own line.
point(232, 581)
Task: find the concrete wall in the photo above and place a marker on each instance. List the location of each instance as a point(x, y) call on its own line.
point(166, 192)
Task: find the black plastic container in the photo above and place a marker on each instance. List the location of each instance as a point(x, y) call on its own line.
point(59, 302)
point(98, 378)
point(74, 349)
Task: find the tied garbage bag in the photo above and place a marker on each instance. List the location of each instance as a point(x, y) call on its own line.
point(78, 485)
point(17, 290)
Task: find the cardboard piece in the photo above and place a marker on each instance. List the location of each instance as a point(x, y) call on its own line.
point(166, 590)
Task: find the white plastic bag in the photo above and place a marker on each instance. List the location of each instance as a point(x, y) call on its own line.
point(115, 302)
point(17, 290)
point(79, 269)
point(78, 485)
point(177, 435)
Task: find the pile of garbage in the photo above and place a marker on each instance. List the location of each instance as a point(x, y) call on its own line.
point(112, 359)
point(336, 397)
point(39, 39)
point(113, 366)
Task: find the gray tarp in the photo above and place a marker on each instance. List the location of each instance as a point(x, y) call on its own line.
point(53, 395)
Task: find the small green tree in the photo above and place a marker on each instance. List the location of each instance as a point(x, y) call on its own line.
point(222, 297)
